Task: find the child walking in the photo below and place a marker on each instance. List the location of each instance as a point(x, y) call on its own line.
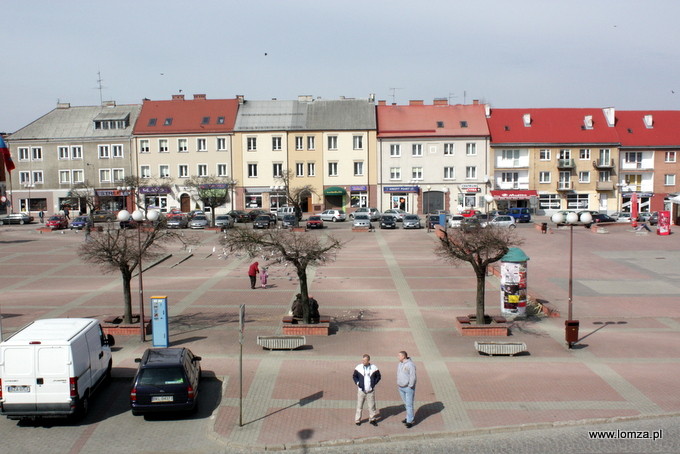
point(263, 277)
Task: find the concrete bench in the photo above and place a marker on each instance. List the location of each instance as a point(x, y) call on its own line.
point(500, 348)
point(281, 342)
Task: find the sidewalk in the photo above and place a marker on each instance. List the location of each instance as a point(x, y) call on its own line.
point(387, 292)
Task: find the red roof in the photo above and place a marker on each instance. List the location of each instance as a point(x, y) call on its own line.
point(432, 121)
point(550, 126)
point(187, 116)
point(633, 132)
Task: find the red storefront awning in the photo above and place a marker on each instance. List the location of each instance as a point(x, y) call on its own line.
point(513, 194)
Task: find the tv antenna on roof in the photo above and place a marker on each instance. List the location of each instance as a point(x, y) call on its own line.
point(394, 94)
point(100, 87)
point(451, 95)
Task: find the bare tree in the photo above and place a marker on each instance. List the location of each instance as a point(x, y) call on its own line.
point(479, 247)
point(300, 249)
point(211, 191)
point(120, 249)
point(295, 194)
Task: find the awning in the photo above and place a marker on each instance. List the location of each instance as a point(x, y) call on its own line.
point(513, 194)
point(334, 190)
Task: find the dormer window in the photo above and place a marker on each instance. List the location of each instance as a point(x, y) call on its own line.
point(463, 124)
point(168, 122)
point(110, 120)
point(440, 124)
point(220, 120)
point(588, 122)
point(152, 122)
point(206, 121)
point(507, 128)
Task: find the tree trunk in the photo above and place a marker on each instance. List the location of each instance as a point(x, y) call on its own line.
point(481, 281)
point(127, 296)
point(306, 309)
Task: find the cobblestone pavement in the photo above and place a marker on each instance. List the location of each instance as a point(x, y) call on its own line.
point(385, 292)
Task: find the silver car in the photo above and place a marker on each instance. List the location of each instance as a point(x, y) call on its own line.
point(361, 220)
point(178, 222)
point(333, 215)
point(199, 222)
point(17, 218)
point(412, 221)
point(397, 213)
point(373, 213)
point(224, 221)
point(504, 221)
point(456, 221)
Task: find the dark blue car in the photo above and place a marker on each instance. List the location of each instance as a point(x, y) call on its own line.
point(80, 222)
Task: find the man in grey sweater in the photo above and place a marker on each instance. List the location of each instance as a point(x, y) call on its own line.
point(406, 380)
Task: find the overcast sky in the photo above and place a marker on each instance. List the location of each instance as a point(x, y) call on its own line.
point(508, 53)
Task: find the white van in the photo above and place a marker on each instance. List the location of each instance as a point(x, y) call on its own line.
point(281, 212)
point(51, 367)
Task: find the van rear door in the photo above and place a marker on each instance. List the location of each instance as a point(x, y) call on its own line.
point(52, 378)
point(18, 378)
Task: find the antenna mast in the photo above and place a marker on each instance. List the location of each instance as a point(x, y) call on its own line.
point(100, 87)
point(394, 94)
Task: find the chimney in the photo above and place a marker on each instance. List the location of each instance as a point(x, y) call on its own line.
point(487, 110)
point(649, 121)
point(108, 103)
point(609, 114)
point(475, 102)
point(241, 99)
point(305, 98)
point(440, 102)
point(588, 121)
point(196, 97)
point(63, 105)
point(415, 102)
point(178, 97)
point(527, 120)
point(371, 98)
point(382, 102)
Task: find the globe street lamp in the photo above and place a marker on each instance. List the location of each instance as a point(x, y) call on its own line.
point(571, 219)
point(489, 200)
point(139, 217)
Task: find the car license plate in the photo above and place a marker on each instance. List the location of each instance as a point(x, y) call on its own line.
point(161, 398)
point(18, 389)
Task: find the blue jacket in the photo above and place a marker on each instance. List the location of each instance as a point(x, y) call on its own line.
point(358, 376)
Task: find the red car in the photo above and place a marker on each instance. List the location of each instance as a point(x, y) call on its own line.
point(314, 222)
point(57, 222)
point(470, 213)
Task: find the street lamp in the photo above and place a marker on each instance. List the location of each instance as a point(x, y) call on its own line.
point(489, 200)
point(139, 217)
point(571, 326)
point(125, 192)
point(28, 202)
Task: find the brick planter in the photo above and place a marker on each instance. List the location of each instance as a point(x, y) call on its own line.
point(299, 229)
point(315, 329)
point(467, 327)
point(112, 325)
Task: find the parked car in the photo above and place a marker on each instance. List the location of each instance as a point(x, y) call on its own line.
point(17, 218)
point(289, 221)
point(314, 222)
point(224, 221)
point(599, 218)
point(80, 222)
point(361, 220)
point(263, 221)
point(470, 224)
point(397, 213)
point(57, 222)
point(373, 213)
point(520, 214)
point(255, 213)
point(239, 215)
point(200, 221)
point(388, 221)
point(456, 221)
point(654, 218)
point(644, 216)
point(193, 213)
point(102, 216)
point(621, 216)
point(412, 221)
point(333, 215)
point(178, 222)
point(281, 212)
point(129, 223)
point(168, 379)
point(174, 212)
point(469, 213)
point(497, 212)
point(432, 220)
point(504, 221)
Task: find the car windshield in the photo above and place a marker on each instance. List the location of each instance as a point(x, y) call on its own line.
point(81, 219)
point(222, 218)
point(263, 217)
point(314, 218)
point(199, 218)
point(55, 218)
point(386, 218)
point(289, 217)
point(361, 216)
point(161, 376)
point(411, 217)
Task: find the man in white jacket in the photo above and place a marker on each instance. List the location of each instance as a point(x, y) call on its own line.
point(366, 376)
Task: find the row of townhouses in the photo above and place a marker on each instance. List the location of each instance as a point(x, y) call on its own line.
point(353, 152)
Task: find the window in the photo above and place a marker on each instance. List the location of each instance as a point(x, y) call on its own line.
point(395, 150)
point(277, 170)
point(182, 145)
point(104, 175)
point(448, 149)
point(417, 173)
point(544, 155)
point(470, 172)
point(168, 122)
point(549, 201)
point(332, 169)
point(221, 144)
point(38, 177)
point(584, 153)
point(669, 179)
point(163, 145)
point(299, 169)
point(77, 152)
point(24, 177)
point(117, 151)
point(565, 153)
point(23, 154)
point(299, 142)
point(183, 171)
point(220, 120)
point(62, 153)
point(449, 173)
point(417, 149)
point(358, 142)
point(470, 149)
point(64, 176)
point(276, 143)
point(544, 177)
point(78, 176)
point(634, 157)
point(152, 122)
point(358, 168)
point(36, 153)
point(201, 144)
point(145, 172)
point(252, 170)
point(221, 170)
point(332, 142)
point(395, 173)
point(310, 142)
point(118, 175)
point(311, 169)
point(510, 178)
point(202, 170)
point(205, 121)
point(670, 156)
point(565, 180)
point(103, 151)
point(251, 143)
point(584, 177)
point(605, 175)
point(463, 124)
point(163, 171)
point(144, 146)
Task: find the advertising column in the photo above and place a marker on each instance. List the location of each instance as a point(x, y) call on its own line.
point(514, 282)
point(663, 227)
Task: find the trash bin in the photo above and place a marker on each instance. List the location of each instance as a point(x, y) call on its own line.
point(571, 331)
point(544, 227)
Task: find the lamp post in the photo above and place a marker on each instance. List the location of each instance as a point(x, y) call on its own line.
point(489, 200)
point(139, 217)
point(125, 192)
point(571, 325)
point(28, 201)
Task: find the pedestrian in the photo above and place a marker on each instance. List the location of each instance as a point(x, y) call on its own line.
point(366, 376)
point(313, 310)
point(66, 213)
point(264, 276)
point(41, 215)
point(252, 273)
point(297, 308)
point(406, 381)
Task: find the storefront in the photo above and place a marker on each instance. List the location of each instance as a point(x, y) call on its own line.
point(155, 197)
point(358, 196)
point(334, 196)
point(105, 199)
point(468, 196)
point(514, 198)
point(401, 197)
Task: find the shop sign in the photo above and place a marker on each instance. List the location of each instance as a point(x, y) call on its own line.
point(470, 188)
point(154, 190)
point(400, 189)
point(358, 188)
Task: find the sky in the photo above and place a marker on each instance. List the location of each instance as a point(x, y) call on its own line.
point(509, 54)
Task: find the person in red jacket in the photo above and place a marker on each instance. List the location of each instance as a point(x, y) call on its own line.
point(252, 273)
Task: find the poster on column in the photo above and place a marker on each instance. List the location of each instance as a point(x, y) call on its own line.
point(663, 227)
point(513, 287)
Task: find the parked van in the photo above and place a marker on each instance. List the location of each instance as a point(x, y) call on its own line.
point(51, 367)
point(281, 212)
point(520, 214)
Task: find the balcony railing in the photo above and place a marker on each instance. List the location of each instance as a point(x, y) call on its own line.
point(564, 186)
point(565, 164)
point(606, 163)
point(605, 186)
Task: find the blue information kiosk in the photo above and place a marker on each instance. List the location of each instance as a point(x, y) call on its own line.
point(159, 321)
